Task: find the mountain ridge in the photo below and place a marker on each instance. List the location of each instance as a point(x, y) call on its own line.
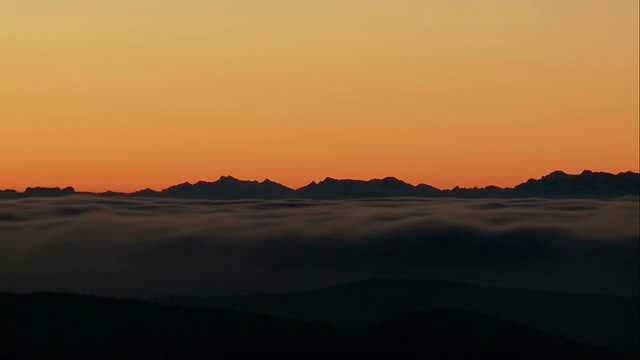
point(557, 184)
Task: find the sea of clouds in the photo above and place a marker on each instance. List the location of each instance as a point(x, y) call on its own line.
point(134, 247)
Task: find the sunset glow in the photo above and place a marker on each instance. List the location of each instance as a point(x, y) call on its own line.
point(124, 95)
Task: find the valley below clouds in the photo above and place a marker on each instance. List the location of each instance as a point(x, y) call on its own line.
point(136, 247)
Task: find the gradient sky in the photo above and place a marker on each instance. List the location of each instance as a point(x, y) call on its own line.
point(122, 95)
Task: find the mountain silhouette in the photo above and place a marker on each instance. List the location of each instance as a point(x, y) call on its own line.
point(146, 193)
point(555, 185)
point(48, 192)
point(9, 194)
point(588, 184)
point(228, 187)
point(78, 326)
point(388, 187)
point(486, 192)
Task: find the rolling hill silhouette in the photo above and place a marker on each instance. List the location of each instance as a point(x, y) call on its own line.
point(456, 334)
point(588, 184)
point(74, 326)
point(594, 319)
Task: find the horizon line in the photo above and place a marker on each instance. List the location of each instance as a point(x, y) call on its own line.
point(313, 181)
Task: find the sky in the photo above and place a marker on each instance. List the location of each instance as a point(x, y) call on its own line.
point(125, 95)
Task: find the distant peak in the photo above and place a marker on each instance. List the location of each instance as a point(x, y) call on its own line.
point(48, 191)
point(391, 179)
point(228, 178)
point(146, 191)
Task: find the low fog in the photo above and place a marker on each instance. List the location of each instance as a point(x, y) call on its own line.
point(145, 247)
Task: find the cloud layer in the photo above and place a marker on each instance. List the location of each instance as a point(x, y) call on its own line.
point(144, 247)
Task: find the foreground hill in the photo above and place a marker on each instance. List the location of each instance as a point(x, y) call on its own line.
point(49, 325)
point(594, 319)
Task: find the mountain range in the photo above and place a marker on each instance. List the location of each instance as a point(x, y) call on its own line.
point(588, 184)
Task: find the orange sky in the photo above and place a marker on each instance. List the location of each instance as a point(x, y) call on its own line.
point(124, 95)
